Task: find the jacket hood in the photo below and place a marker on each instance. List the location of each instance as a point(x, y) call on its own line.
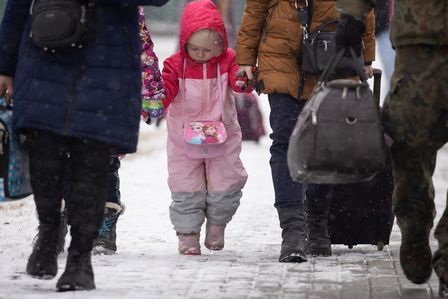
point(199, 15)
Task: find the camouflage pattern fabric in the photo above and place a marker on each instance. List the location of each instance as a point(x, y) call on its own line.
point(415, 115)
point(414, 22)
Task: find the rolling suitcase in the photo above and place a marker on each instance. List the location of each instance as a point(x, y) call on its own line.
point(361, 213)
point(249, 116)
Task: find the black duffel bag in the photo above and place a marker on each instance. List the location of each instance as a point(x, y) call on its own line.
point(60, 23)
point(338, 137)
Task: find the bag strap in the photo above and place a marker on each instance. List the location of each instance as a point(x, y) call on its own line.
point(221, 92)
point(335, 60)
point(322, 26)
point(305, 12)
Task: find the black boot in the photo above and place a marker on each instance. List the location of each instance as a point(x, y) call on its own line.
point(292, 223)
point(43, 262)
point(62, 232)
point(106, 242)
point(416, 256)
point(78, 274)
point(318, 241)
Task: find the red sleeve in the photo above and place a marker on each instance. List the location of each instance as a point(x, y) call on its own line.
point(170, 80)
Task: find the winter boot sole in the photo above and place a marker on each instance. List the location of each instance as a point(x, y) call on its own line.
point(215, 247)
point(100, 250)
point(294, 257)
point(43, 276)
point(323, 251)
point(191, 251)
point(320, 253)
point(73, 287)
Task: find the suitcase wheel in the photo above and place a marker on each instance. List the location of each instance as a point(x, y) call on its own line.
point(350, 246)
point(380, 245)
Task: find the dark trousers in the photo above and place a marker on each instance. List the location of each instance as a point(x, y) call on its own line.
point(74, 169)
point(114, 180)
point(283, 117)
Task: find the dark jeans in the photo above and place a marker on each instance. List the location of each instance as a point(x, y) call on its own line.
point(74, 169)
point(114, 180)
point(283, 117)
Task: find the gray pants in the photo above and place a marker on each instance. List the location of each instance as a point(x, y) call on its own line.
point(188, 210)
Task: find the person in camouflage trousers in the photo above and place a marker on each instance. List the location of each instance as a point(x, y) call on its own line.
point(415, 115)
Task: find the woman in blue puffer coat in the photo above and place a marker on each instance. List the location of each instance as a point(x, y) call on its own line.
point(76, 106)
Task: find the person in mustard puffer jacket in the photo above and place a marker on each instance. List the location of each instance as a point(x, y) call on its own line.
point(270, 37)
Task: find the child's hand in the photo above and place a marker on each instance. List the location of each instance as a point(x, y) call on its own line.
point(246, 76)
point(152, 109)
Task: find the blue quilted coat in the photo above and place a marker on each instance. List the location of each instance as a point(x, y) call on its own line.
point(93, 92)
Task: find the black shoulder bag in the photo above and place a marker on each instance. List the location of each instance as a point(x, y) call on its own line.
point(60, 23)
point(318, 47)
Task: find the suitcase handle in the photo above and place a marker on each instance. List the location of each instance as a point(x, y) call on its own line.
point(377, 84)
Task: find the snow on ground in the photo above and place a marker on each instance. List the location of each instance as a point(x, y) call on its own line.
point(147, 264)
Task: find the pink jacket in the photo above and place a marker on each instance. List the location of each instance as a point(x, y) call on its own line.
point(201, 98)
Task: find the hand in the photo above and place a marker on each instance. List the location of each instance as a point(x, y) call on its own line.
point(247, 69)
point(368, 69)
point(6, 89)
point(152, 109)
point(246, 76)
point(349, 34)
point(147, 119)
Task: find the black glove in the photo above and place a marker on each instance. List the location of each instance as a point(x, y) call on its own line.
point(349, 34)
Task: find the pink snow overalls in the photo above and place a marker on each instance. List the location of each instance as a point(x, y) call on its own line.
point(202, 188)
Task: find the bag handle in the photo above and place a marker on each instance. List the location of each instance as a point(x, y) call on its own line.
point(322, 26)
point(335, 60)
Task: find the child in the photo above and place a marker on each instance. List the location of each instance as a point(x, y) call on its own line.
point(199, 79)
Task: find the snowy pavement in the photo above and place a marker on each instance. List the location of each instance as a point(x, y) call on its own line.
point(147, 264)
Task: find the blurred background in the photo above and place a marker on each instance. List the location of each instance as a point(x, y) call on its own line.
point(165, 20)
point(163, 23)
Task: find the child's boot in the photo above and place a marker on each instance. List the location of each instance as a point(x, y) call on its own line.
point(214, 236)
point(106, 242)
point(189, 244)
